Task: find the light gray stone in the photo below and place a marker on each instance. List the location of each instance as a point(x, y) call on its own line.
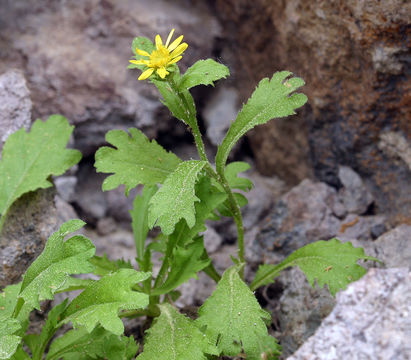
point(394, 247)
point(354, 195)
point(212, 240)
point(66, 187)
point(15, 104)
point(219, 112)
point(371, 321)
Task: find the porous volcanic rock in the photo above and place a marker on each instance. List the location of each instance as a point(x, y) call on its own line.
point(354, 56)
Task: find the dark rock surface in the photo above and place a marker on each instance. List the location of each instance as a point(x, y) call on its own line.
point(354, 56)
point(29, 223)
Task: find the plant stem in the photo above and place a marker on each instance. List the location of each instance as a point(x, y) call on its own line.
point(193, 124)
point(235, 208)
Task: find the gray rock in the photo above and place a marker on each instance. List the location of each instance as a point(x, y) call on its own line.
point(15, 104)
point(303, 215)
point(301, 309)
point(219, 112)
point(66, 187)
point(75, 59)
point(354, 195)
point(394, 247)
point(371, 320)
point(361, 227)
point(29, 223)
point(212, 240)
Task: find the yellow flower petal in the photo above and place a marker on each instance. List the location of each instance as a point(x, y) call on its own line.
point(159, 42)
point(175, 60)
point(142, 52)
point(179, 50)
point(139, 62)
point(146, 74)
point(162, 72)
point(169, 37)
point(175, 43)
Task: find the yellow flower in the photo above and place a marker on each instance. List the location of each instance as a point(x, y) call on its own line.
point(161, 57)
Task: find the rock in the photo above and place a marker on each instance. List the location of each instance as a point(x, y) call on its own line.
point(15, 104)
point(394, 145)
point(303, 215)
point(361, 228)
point(29, 223)
point(75, 59)
point(352, 56)
point(370, 321)
point(219, 112)
point(394, 247)
point(66, 187)
point(212, 240)
point(300, 310)
point(354, 195)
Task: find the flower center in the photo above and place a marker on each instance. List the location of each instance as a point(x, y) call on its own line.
point(160, 58)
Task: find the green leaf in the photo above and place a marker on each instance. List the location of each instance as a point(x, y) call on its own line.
point(103, 265)
point(210, 199)
point(8, 341)
point(134, 160)
point(234, 319)
point(99, 304)
point(8, 302)
point(49, 272)
point(139, 218)
point(180, 103)
point(28, 159)
point(174, 336)
point(271, 99)
point(185, 264)
point(73, 283)
point(329, 262)
point(141, 43)
point(203, 72)
point(175, 200)
point(99, 344)
point(38, 343)
point(225, 210)
point(20, 354)
point(231, 174)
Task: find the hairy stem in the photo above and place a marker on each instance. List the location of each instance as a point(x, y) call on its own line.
point(235, 209)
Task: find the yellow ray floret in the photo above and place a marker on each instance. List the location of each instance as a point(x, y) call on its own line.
point(161, 57)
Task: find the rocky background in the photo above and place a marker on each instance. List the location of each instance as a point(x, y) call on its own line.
point(341, 167)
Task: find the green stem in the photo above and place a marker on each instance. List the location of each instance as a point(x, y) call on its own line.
point(235, 208)
point(193, 123)
point(211, 271)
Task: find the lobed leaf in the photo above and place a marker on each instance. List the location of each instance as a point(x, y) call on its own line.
point(234, 319)
point(329, 262)
point(99, 344)
point(29, 159)
point(139, 218)
point(271, 99)
point(203, 72)
point(175, 200)
point(134, 160)
point(174, 336)
point(99, 304)
point(8, 341)
point(231, 174)
point(50, 271)
point(103, 265)
point(185, 264)
point(37, 343)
